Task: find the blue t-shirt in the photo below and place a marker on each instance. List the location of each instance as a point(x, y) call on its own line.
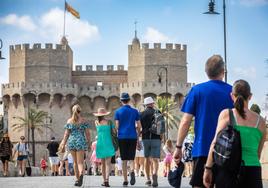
point(205, 101)
point(127, 117)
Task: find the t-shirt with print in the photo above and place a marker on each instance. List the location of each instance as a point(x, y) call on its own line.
point(205, 101)
point(127, 117)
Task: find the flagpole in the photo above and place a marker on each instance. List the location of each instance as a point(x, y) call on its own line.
point(64, 18)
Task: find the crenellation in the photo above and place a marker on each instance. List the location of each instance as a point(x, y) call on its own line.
point(37, 46)
point(169, 46)
point(157, 45)
point(110, 68)
point(18, 47)
point(178, 46)
point(78, 68)
point(59, 47)
point(89, 68)
point(25, 46)
point(145, 45)
point(48, 46)
point(184, 47)
point(99, 67)
point(120, 67)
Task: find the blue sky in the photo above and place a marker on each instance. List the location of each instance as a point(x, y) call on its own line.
point(106, 28)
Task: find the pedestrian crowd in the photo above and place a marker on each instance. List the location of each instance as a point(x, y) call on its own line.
point(129, 145)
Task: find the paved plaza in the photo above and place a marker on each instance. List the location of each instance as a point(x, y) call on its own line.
point(68, 181)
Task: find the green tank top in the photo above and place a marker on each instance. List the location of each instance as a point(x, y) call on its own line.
point(250, 140)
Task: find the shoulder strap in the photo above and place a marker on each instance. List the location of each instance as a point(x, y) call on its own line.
point(258, 121)
point(231, 117)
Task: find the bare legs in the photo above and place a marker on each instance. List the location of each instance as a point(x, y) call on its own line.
point(124, 168)
point(106, 166)
point(151, 167)
point(78, 158)
point(22, 167)
point(139, 164)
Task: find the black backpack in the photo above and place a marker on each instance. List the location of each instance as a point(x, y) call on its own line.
point(158, 123)
point(227, 153)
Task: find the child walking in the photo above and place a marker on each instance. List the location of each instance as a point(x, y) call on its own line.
point(43, 165)
point(168, 149)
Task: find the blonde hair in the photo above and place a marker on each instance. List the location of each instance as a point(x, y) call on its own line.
point(169, 144)
point(75, 111)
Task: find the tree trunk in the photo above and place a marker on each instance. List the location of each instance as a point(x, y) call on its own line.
point(33, 146)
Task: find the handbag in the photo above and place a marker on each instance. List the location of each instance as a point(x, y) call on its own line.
point(28, 168)
point(114, 137)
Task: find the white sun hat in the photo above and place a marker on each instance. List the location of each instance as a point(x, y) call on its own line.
point(148, 100)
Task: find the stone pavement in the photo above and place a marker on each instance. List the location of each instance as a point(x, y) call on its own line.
point(68, 181)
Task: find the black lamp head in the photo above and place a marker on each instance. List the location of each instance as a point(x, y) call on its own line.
point(211, 8)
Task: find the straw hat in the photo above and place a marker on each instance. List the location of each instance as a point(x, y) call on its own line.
point(101, 112)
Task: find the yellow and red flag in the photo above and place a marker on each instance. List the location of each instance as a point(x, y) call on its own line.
point(72, 10)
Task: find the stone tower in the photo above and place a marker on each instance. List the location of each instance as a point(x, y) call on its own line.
point(144, 62)
point(36, 64)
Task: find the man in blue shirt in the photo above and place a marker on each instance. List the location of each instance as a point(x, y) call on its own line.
point(126, 119)
point(205, 101)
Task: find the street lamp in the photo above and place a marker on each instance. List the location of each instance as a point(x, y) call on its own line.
point(159, 74)
point(211, 11)
point(1, 45)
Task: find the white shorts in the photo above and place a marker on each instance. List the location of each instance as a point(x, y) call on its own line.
point(139, 153)
point(54, 160)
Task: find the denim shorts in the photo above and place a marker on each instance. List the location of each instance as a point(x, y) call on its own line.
point(152, 148)
point(22, 157)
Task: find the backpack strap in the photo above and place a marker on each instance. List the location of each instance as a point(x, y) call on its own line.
point(258, 121)
point(231, 118)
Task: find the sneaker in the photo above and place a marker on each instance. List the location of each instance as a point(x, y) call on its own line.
point(142, 174)
point(148, 183)
point(155, 183)
point(132, 178)
point(125, 183)
point(52, 174)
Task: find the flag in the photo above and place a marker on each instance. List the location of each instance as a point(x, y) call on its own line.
point(72, 10)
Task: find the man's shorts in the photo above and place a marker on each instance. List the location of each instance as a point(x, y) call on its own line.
point(127, 149)
point(152, 148)
point(198, 171)
point(54, 160)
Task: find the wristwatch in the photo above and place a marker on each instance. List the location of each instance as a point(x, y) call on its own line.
point(207, 168)
point(178, 146)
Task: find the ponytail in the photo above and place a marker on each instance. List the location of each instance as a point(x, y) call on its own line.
point(239, 106)
point(75, 116)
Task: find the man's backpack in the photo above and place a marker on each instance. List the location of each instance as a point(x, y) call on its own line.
point(158, 123)
point(227, 153)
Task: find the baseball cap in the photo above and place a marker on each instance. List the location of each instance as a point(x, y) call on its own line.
point(174, 175)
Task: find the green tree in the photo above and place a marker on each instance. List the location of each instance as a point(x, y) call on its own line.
point(167, 106)
point(34, 121)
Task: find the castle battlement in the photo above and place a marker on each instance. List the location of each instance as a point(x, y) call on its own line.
point(99, 68)
point(36, 46)
point(156, 87)
point(157, 46)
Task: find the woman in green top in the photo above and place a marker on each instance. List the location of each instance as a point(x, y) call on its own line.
point(104, 149)
point(252, 132)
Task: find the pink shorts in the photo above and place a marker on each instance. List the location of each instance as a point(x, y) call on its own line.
point(168, 158)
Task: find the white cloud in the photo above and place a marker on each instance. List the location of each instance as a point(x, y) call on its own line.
point(152, 35)
point(250, 72)
point(78, 31)
point(24, 22)
point(49, 27)
point(254, 2)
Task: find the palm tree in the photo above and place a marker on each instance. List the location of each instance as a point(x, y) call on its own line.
point(167, 106)
point(34, 121)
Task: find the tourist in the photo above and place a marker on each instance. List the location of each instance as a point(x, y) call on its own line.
point(104, 149)
point(119, 166)
point(252, 132)
point(78, 136)
point(53, 156)
point(127, 121)
point(168, 150)
point(5, 152)
point(93, 159)
point(22, 150)
point(151, 143)
point(63, 158)
point(43, 166)
point(70, 164)
point(204, 103)
point(139, 159)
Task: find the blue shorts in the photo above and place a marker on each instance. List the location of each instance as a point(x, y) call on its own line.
point(152, 148)
point(22, 157)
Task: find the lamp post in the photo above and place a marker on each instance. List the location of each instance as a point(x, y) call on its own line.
point(159, 74)
point(1, 45)
point(211, 11)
